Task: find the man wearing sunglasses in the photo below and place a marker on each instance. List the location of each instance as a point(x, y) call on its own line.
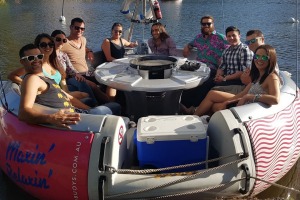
point(36, 88)
point(77, 52)
point(210, 46)
point(254, 38)
point(31, 58)
point(76, 46)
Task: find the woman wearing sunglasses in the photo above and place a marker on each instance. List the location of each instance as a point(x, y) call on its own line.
point(161, 43)
point(113, 47)
point(51, 66)
point(265, 86)
point(75, 81)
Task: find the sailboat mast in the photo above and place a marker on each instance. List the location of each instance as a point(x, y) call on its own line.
point(62, 9)
point(62, 17)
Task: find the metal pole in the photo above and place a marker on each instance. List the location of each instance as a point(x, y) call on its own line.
point(144, 14)
point(62, 9)
point(135, 12)
point(223, 15)
point(144, 7)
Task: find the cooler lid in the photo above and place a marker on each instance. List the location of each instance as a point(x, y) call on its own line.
point(171, 127)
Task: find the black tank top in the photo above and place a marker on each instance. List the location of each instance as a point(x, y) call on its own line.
point(116, 50)
point(53, 97)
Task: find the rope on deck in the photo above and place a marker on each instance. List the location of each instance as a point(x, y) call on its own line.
point(181, 180)
point(151, 171)
point(187, 177)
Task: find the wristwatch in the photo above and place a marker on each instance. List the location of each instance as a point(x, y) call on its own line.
point(224, 79)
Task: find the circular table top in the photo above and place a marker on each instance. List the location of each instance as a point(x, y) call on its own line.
point(119, 75)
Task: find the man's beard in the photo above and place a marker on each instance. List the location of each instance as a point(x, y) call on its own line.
point(211, 29)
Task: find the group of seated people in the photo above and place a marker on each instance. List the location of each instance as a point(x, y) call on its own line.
point(55, 72)
point(240, 73)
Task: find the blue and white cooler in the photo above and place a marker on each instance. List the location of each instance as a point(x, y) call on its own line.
point(164, 141)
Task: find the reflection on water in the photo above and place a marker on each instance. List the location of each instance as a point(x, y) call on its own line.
point(21, 21)
point(291, 180)
point(9, 191)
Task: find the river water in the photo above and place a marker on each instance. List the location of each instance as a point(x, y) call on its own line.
point(21, 21)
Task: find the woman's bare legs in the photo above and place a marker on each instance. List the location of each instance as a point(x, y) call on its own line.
point(212, 98)
point(218, 106)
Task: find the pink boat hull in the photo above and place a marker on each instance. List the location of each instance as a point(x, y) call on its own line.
point(36, 157)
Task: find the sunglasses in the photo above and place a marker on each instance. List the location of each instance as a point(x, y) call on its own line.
point(118, 31)
point(44, 45)
point(33, 57)
point(262, 57)
point(252, 41)
point(58, 39)
point(77, 28)
point(206, 24)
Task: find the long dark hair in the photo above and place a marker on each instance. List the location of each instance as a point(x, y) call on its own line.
point(163, 35)
point(271, 53)
point(53, 57)
point(57, 32)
